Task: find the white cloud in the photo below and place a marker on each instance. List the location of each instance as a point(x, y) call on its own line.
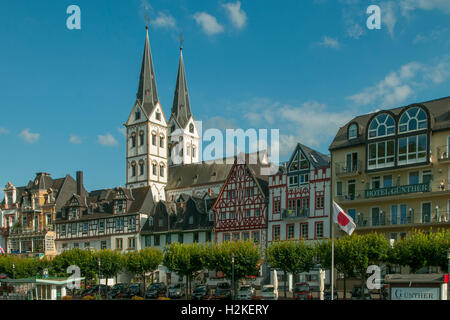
point(399, 85)
point(237, 16)
point(388, 16)
point(411, 5)
point(310, 123)
point(75, 139)
point(329, 43)
point(107, 140)
point(3, 130)
point(28, 136)
point(122, 131)
point(164, 21)
point(208, 23)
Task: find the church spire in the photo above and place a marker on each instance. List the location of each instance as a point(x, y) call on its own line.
point(181, 108)
point(147, 94)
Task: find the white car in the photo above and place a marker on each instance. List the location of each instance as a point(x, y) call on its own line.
point(246, 292)
point(268, 292)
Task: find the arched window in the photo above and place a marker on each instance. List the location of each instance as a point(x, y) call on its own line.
point(191, 128)
point(154, 169)
point(412, 119)
point(141, 168)
point(353, 131)
point(161, 169)
point(133, 169)
point(381, 126)
point(161, 141)
point(141, 138)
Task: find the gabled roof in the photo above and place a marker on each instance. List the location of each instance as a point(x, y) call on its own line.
point(315, 158)
point(439, 110)
point(147, 95)
point(181, 108)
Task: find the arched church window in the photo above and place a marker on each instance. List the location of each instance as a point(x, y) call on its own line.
point(381, 126)
point(191, 128)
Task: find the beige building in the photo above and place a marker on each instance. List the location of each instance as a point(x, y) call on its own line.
point(391, 169)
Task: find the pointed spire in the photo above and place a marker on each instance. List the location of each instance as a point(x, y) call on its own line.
point(181, 108)
point(147, 94)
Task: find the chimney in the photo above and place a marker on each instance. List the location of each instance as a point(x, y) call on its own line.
point(79, 182)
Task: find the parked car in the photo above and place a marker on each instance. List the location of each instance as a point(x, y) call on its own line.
point(176, 290)
point(135, 289)
point(201, 292)
point(224, 285)
point(118, 290)
point(155, 290)
point(302, 291)
point(356, 294)
point(222, 293)
point(101, 289)
point(268, 292)
point(245, 292)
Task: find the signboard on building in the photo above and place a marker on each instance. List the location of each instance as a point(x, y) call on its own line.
point(415, 293)
point(393, 191)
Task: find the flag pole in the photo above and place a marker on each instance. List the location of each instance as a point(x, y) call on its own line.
point(332, 261)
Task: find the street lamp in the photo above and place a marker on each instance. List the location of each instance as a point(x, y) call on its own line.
point(232, 273)
point(14, 269)
point(99, 265)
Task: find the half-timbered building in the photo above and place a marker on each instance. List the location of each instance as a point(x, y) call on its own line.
point(241, 207)
point(104, 219)
point(300, 197)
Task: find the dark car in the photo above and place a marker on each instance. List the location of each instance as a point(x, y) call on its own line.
point(201, 292)
point(118, 291)
point(101, 289)
point(135, 289)
point(302, 291)
point(356, 294)
point(155, 290)
point(176, 290)
point(222, 294)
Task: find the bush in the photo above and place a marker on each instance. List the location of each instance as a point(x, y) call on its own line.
point(67, 298)
point(137, 298)
point(88, 298)
point(163, 298)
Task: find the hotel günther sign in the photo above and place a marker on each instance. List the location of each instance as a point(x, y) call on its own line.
point(412, 293)
point(393, 191)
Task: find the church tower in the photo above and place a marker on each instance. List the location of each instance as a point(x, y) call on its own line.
point(146, 129)
point(184, 139)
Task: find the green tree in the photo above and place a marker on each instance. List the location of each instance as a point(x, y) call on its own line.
point(291, 257)
point(151, 259)
point(246, 257)
point(111, 263)
point(187, 260)
point(85, 259)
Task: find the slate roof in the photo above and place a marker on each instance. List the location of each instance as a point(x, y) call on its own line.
point(439, 110)
point(316, 158)
point(175, 215)
point(181, 108)
point(100, 203)
point(147, 81)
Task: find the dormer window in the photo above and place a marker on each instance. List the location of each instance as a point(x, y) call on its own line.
point(158, 116)
point(137, 115)
point(119, 207)
point(191, 128)
point(73, 213)
point(353, 131)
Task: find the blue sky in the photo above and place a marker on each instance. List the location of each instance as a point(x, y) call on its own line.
point(306, 67)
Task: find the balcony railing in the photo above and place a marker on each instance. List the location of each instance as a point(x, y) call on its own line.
point(363, 221)
point(342, 168)
point(443, 153)
point(294, 214)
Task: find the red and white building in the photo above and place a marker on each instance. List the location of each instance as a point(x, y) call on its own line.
point(299, 197)
point(241, 208)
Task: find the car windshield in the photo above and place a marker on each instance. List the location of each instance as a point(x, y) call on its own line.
point(302, 288)
point(246, 288)
point(200, 289)
point(117, 287)
point(175, 286)
point(223, 285)
point(134, 286)
point(267, 289)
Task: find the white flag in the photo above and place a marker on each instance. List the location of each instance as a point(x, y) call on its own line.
point(343, 219)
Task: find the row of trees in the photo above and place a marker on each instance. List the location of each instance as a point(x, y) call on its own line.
point(352, 255)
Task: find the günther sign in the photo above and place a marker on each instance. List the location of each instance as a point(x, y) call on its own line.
point(392, 191)
point(415, 293)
